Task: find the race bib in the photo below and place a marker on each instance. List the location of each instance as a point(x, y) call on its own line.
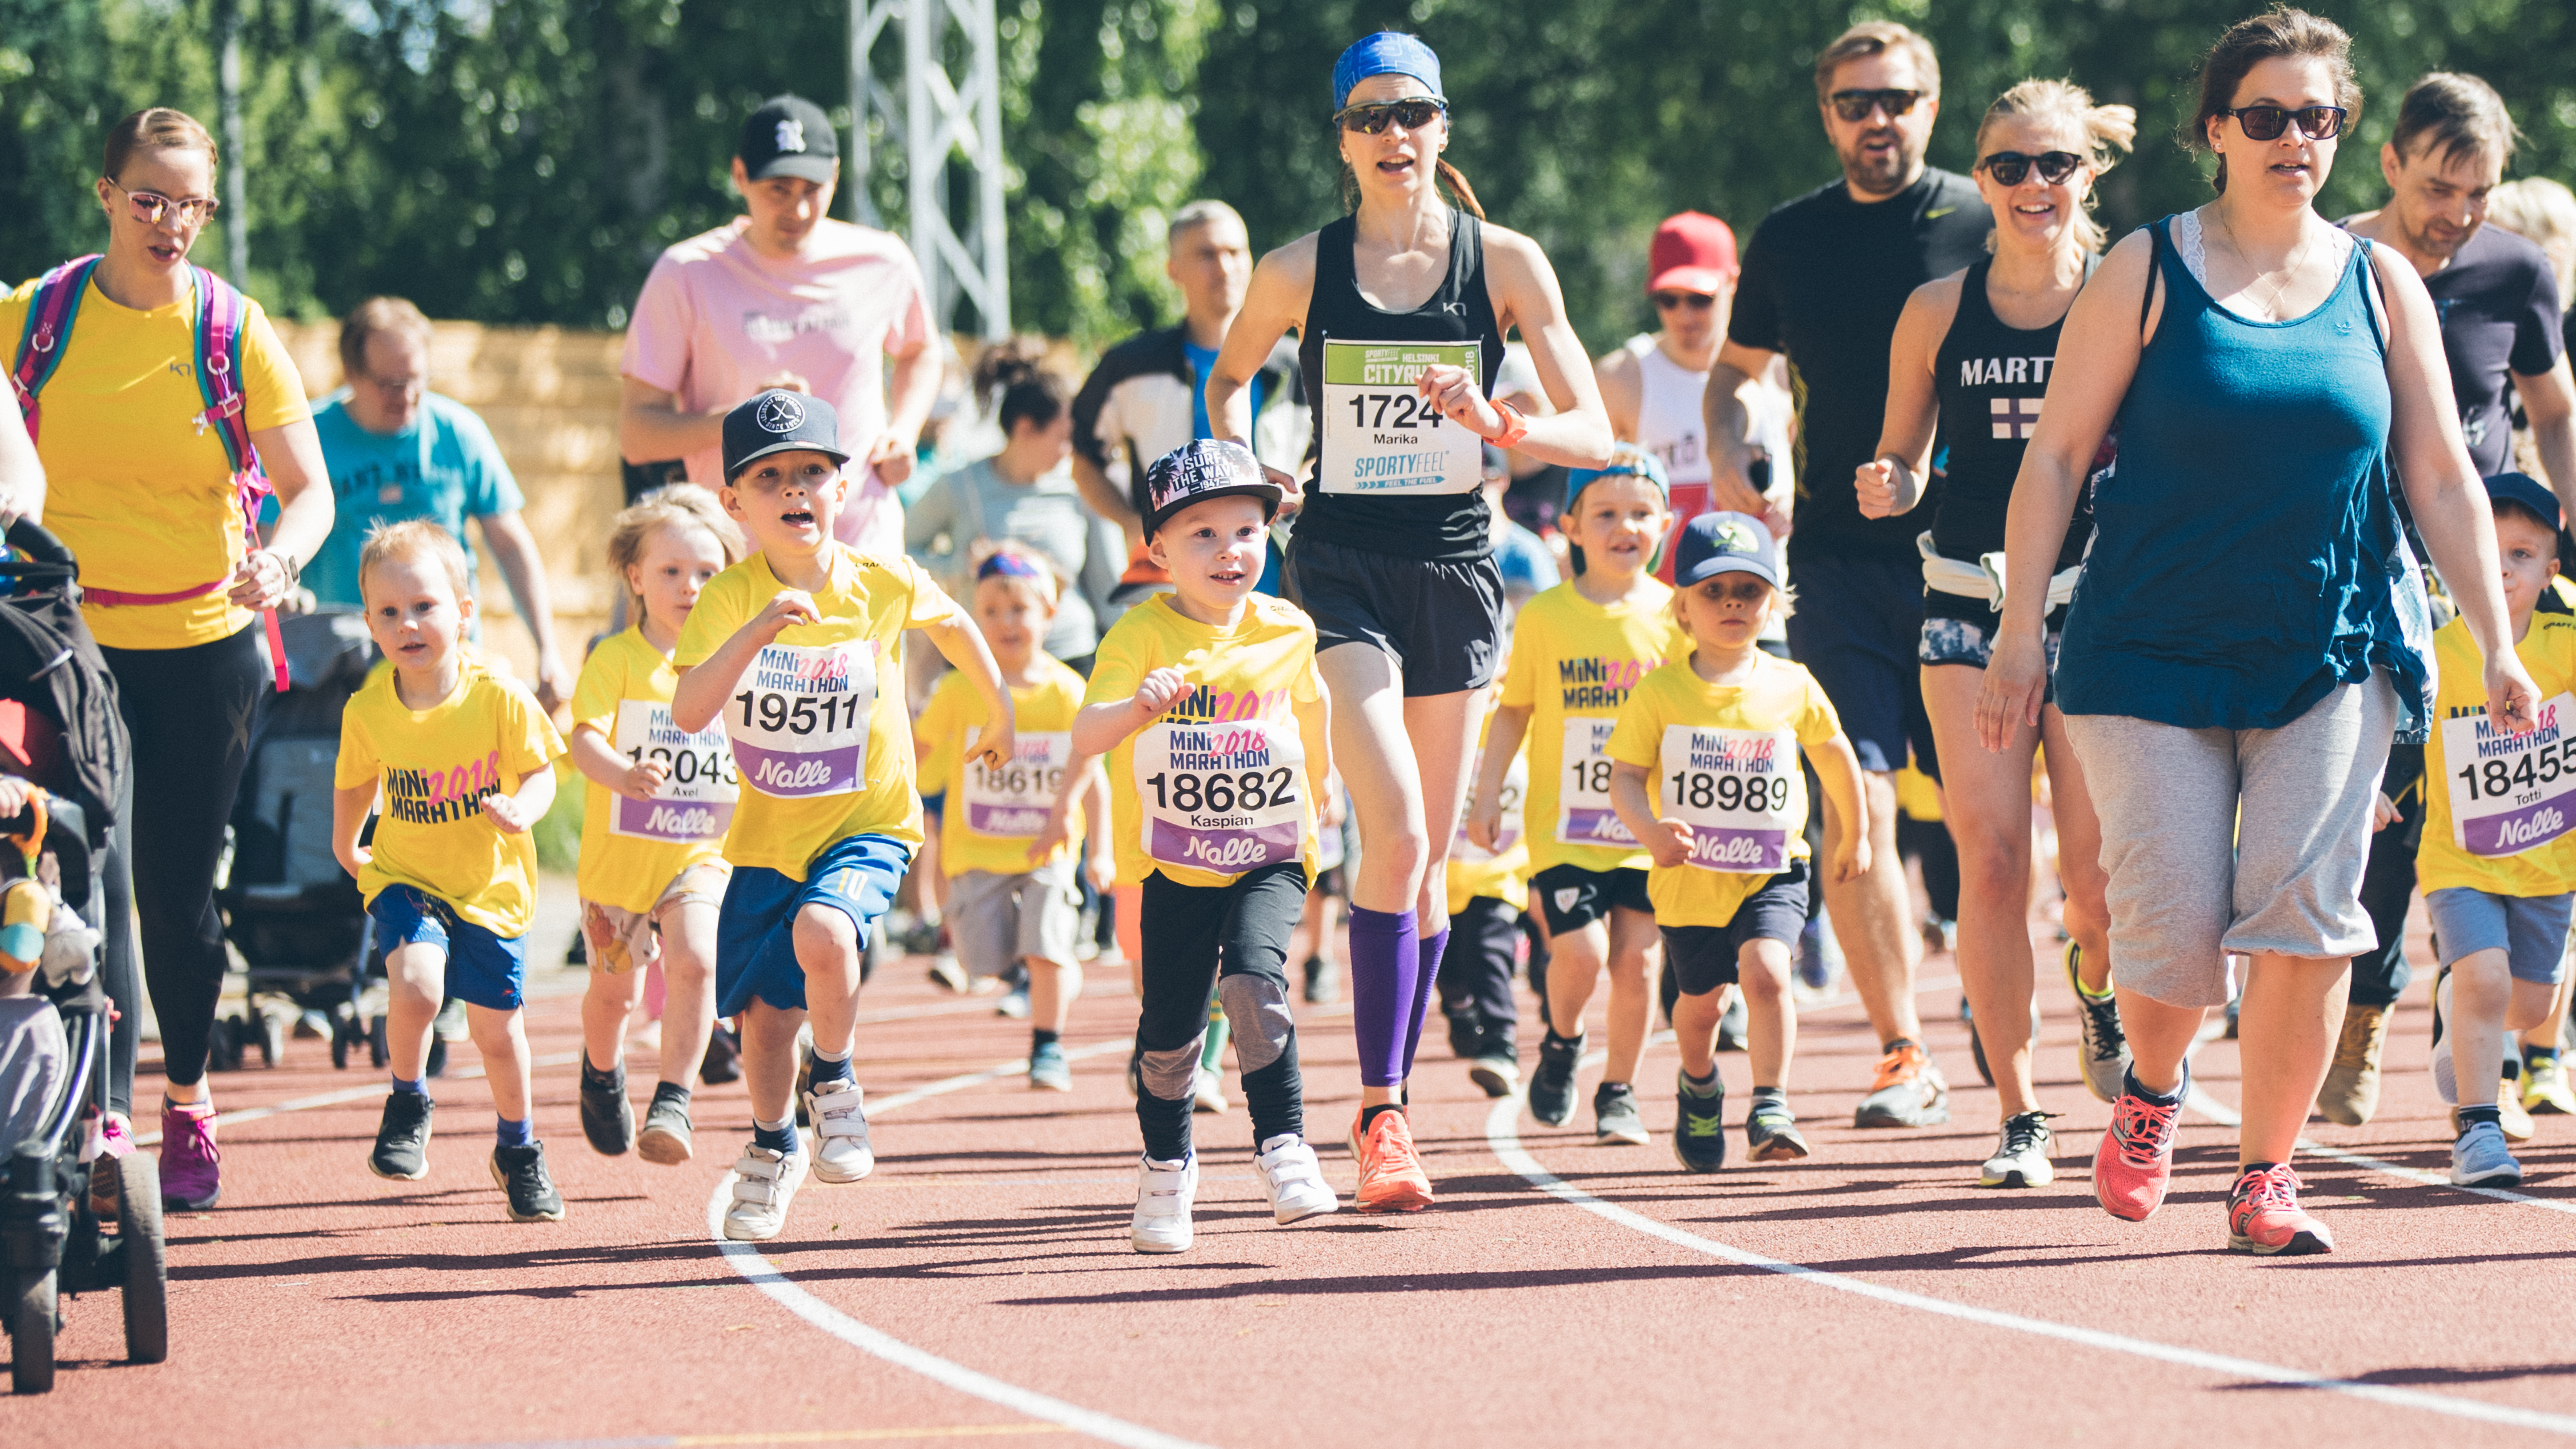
point(1383, 438)
point(1012, 802)
point(1733, 789)
point(1225, 798)
point(695, 801)
point(1507, 830)
point(800, 724)
point(2508, 792)
point(1583, 813)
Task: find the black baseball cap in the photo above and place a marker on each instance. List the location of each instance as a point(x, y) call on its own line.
point(789, 136)
point(779, 421)
point(1726, 543)
point(2526, 490)
point(1198, 471)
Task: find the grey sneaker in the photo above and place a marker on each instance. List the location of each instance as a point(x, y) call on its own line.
point(1616, 1118)
point(665, 1140)
point(2021, 1154)
point(520, 1173)
point(1048, 1070)
point(2102, 1049)
point(1551, 1088)
point(607, 1118)
point(1730, 1024)
point(2480, 1158)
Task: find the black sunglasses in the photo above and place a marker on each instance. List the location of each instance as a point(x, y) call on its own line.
point(2265, 123)
point(2009, 167)
point(1856, 105)
point(1370, 120)
point(1696, 301)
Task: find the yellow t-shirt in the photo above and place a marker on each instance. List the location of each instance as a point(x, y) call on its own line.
point(1207, 777)
point(821, 736)
point(2514, 789)
point(1501, 875)
point(631, 850)
point(1573, 665)
point(1735, 749)
point(131, 484)
point(992, 815)
point(432, 768)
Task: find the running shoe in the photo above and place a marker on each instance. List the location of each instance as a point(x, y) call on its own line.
point(1323, 982)
point(1293, 1180)
point(450, 1023)
point(2351, 1092)
point(2134, 1163)
point(1207, 1091)
point(945, 972)
point(764, 1183)
point(723, 1061)
point(1497, 1067)
point(1048, 1070)
point(402, 1140)
point(1013, 1004)
point(1165, 1193)
point(191, 1166)
point(1699, 1126)
point(520, 1173)
point(1771, 1133)
point(665, 1140)
point(1551, 1088)
point(2544, 1087)
point(1391, 1176)
point(2446, 1076)
point(2021, 1154)
point(1466, 1031)
point(1908, 1092)
point(2101, 1048)
point(1820, 956)
point(840, 1118)
point(2263, 1215)
point(2480, 1158)
point(1730, 1024)
point(607, 1118)
point(2510, 1113)
point(1615, 1118)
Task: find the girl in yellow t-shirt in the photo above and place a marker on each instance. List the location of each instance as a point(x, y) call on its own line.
point(653, 827)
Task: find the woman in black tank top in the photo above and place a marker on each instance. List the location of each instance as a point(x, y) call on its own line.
point(1970, 363)
point(1400, 310)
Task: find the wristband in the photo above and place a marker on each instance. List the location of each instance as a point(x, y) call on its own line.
point(1515, 426)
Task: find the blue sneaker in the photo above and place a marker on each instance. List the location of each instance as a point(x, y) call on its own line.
point(1048, 1070)
point(2480, 1158)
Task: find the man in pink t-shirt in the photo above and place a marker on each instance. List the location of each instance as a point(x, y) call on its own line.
point(784, 297)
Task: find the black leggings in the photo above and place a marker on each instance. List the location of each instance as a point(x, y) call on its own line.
point(1230, 941)
point(190, 712)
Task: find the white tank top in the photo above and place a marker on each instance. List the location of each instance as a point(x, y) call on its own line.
point(1669, 424)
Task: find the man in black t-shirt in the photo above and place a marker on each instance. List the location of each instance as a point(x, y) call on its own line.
point(1824, 280)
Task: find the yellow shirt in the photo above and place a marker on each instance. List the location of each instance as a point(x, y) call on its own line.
point(1735, 750)
point(992, 816)
point(1206, 781)
point(2516, 794)
point(821, 735)
point(1573, 665)
point(1501, 875)
point(138, 492)
point(631, 850)
point(432, 768)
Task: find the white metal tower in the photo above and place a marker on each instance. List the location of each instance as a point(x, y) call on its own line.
point(950, 130)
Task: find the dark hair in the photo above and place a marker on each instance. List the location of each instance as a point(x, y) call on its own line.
point(1016, 369)
point(1875, 37)
point(155, 128)
point(2455, 115)
point(2279, 33)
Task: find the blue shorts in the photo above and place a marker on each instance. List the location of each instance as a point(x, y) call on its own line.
point(1858, 629)
point(2530, 930)
point(1704, 958)
point(482, 969)
point(756, 929)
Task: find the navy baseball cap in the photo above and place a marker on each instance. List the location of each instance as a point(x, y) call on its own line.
point(779, 421)
point(1198, 471)
point(1725, 543)
point(2526, 490)
point(789, 136)
point(1627, 460)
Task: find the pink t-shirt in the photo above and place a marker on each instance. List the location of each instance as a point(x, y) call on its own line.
point(716, 319)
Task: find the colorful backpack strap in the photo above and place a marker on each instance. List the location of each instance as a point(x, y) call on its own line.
point(220, 313)
point(49, 327)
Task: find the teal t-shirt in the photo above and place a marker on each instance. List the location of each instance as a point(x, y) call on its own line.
point(445, 467)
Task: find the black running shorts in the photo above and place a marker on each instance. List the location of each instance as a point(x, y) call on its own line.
point(1443, 622)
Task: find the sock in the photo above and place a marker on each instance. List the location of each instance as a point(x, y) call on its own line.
point(2512, 1070)
point(2534, 1056)
point(830, 1069)
point(412, 1086)
point(512, 1134)
point(671, 1092)
point(1700, 1086)
point(1165, 1126)
point(1775, 1096)
point(1368, 1115)
point(2488, 1112)
point(2253, 1167)
point(778, 1136)
point(1385, 965)
point(1212, 1054)
point(1427, 951)
point(2129, 1084)
point(1041, 1037)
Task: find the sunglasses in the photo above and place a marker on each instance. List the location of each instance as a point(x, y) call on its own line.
point(2009, 167)
point(2266, 123)
point(1370, 120)
point(1667, 301)
point(150, 206)
point(1856, 105)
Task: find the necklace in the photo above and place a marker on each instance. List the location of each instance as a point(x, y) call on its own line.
point(2269, 306)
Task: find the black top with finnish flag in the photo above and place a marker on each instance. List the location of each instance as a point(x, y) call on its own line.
point(1200, 470)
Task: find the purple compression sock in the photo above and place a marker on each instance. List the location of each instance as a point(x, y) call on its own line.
point(1385, 960)
point(1424, 989)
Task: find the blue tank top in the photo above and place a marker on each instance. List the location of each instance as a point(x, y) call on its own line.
point(2246, 555)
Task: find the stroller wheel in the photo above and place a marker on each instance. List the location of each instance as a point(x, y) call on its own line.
point(272, 1039)
point(32, 1307)
point(147, 1277)
point(377, 1052)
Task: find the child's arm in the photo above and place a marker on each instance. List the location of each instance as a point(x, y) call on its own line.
point(1099, 728)
point(1101, 855)
point(1668, 841)
point(959, 641)
point(1315, 729)
point(599, 761)
point(1503, 738)
point(704, 686)
point(1838, 769)
point(515, 812)
point(349, 809)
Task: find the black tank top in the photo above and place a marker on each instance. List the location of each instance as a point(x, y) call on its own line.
point(1991, 379)
point(1447, 527)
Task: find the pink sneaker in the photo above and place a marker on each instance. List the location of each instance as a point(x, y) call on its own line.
point(2134, 1164)
point(2263, 1215)
point(191, 1168)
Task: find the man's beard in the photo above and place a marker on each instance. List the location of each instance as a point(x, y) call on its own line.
point(1880, 173)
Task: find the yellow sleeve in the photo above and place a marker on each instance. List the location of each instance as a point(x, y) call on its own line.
point(272, 390)
point(1520, 672)
point(718, 613)
point(358, 763)
point(602, 685)
point(940, 733)
point(528, 739)
point(1638, 738)
point(927, 602)
point(1115, 668)
point(1307, 686)
point(1817, 721)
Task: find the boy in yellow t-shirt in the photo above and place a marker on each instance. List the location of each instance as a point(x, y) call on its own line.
point(462, 762)
point(1207, 703)
point(1008, 857)
point(2498, 861)
point(798, 649)
point(1577, 651)
point(1715, 736)
point(1487, 896)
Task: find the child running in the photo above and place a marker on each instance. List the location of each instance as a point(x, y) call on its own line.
point(462, 761)
point(1577, 650)
point(1488, 894)
point(652, 828)
point(2498, 861)
point(1207, 702)
point(799, 649)
point(1718, 733)
point(1008, 858)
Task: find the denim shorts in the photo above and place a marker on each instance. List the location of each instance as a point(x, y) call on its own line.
point(2530, 930)
point(483, 969)
point(756, 928)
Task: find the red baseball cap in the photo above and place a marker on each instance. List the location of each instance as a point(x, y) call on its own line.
point(1692, 252)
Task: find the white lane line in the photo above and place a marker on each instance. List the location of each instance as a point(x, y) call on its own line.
point(2226, 1116)
point(745, 1259)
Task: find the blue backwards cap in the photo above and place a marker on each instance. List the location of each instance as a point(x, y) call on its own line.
point(1627, 460)
point(1389, 52)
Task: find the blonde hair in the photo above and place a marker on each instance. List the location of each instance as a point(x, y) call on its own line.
point(414, 538)
point(2543, 211)
point(678, 506)
point(1876, 37)
point(2109, 132)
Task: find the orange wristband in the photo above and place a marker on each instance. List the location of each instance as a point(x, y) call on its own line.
point(1515, 426)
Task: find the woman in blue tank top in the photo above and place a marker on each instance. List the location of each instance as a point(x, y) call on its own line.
point(2250, 627)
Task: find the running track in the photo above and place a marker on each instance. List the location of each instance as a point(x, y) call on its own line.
point(979, 1288)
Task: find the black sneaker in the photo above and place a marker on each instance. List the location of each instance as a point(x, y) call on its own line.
point(1466, 1031)
point(1496, 1069)
point(1771, 1133)
point(1699, 1130)
point(607, 1118)
point(1323, 982)
point(1551, 1088)
point(1615, 1116)
point(402, 1139)
point(665, 1140)
point(723, 1061)
point(520, 1173)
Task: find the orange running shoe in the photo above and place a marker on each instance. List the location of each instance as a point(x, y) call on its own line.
point(1908, 1092)
point(1391, 1176)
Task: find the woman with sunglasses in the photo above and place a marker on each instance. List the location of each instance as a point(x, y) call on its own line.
point(1401, 309)
point(2251, 628)
point(1973, 351)
point(139, 483)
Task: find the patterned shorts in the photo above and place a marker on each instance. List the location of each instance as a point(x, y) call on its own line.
point(1963, 641)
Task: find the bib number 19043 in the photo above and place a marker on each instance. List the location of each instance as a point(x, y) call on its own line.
point(696, 799)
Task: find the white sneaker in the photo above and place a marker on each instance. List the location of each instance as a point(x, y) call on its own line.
point(2446, 1077)
point(1207, 1092)
point(840, 1118)
point(1294, 1180)
point(1165, 1192)
point(764, 1183)
point(2021, 1154)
